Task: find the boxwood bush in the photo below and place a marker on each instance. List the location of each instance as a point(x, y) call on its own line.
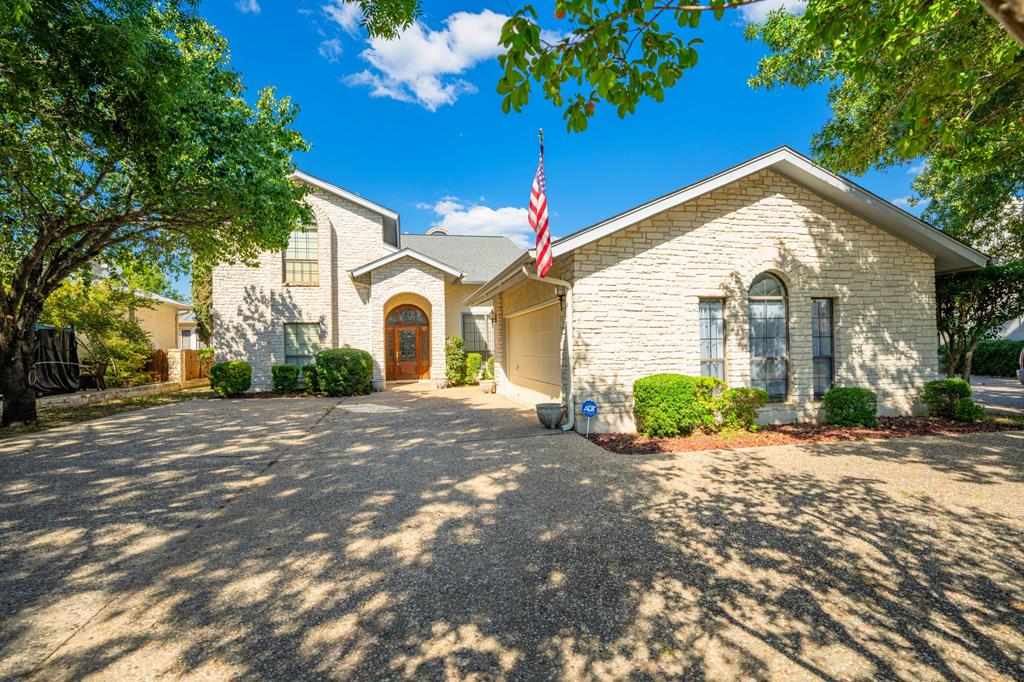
point(951, 398)
point(228, 379)
point(309, 376)
point(284, 378)
point(738, 407)
point(674, 404)
point(473, 363)
point(942, 396)
point(345, 371)
point(851, 406)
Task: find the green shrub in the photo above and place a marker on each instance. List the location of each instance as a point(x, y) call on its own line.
point(997, 358)
point(228, 379)
point(284, 378)
point(738, 407)
point(205, 353)
point(344, 371)
point(942, 396)
point(489, 369)
point(455, 360)
point(673, 404)
point(309, 375)
point(473, 362)
point(851, 406)
point(966, 410)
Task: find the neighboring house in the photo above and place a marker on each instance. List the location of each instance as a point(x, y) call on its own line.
point(187, 331)
point(774, 273)
point(354, 280)
point(162, 321)
point(1012, 330)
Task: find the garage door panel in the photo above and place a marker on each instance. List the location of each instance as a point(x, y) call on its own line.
point(534, 355)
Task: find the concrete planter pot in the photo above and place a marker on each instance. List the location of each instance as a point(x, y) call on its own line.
point(549, 414)
point(488, 385)
point(440, 383)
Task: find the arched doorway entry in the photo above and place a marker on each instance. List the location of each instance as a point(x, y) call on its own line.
point(407, 344)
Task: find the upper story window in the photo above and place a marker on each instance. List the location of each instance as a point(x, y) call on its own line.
point(769, 336)
point(301, 264)
point(712, 337)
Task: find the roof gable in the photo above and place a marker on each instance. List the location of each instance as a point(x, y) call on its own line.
point(950, 254)
point(481, 257)
point(456, 275)
point(345, 194)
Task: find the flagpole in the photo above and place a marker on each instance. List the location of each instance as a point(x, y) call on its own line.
point(540, 136)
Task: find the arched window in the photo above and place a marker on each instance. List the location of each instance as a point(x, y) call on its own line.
point(407, 314)
point(769, 336)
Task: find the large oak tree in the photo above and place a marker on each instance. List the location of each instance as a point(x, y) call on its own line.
point(126, 137)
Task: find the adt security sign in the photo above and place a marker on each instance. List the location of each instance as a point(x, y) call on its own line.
point(589, 410)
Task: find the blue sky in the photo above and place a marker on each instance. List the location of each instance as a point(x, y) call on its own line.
point(417, 125)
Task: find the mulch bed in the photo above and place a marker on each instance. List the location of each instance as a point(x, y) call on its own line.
point(796, 434)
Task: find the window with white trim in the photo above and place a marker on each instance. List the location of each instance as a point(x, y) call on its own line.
point(712, 337)
point(476, 333)
point(301, 264)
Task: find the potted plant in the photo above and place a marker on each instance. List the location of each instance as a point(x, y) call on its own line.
point(487, 383)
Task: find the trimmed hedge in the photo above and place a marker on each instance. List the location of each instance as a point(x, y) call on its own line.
point(738, 407)
point(673, 404)
point(997, 358)
point(473, 363)
point(309, 376)
point(345, 371)
point(228, 379)
point(851, 406)
point(455, 360)
point(942, 396)
point(284, 378)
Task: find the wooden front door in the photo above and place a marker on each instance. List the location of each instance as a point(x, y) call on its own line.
point(407, 337)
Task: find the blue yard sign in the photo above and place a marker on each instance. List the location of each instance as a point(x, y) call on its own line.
point(589, 410)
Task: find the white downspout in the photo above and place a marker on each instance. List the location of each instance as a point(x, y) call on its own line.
point(570, 420)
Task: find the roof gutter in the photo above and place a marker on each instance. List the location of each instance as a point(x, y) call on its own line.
point(570, 419)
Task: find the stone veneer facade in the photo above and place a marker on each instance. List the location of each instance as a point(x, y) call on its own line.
point(252, 304)
point(636, 298)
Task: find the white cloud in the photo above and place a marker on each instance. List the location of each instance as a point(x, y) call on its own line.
point(248, 6)
point(917, 169)
point(906, 202)
point(421, 65)
point(901, 201)
point(757, 12)
point(460, 218)
point(331, 49)
point(348, 15)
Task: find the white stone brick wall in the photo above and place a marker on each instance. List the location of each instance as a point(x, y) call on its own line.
point(251, 305)
point(387, 283)
point(636, 297)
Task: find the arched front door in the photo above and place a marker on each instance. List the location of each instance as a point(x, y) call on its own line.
point(407, 344)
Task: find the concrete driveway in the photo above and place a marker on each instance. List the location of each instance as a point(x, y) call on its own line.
point(999, 395)
point(442, 535)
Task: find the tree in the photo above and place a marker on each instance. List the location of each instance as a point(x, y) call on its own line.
point(971, 305)
point(126, 137)
point(940, 82)
point(101, 314)
point(202, 298)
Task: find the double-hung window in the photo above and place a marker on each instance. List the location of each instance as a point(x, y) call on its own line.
point(301, 343)
point(712, 337)
point(301, 265)
point(823, 345)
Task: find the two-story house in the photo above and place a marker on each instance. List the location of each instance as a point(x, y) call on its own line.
point(353, 279)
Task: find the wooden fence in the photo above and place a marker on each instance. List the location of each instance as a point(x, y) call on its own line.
point(157, 366)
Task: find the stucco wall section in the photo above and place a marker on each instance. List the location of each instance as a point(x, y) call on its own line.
point(251, 304)
point(406, 276)
point(455, 297)
point(161, 323)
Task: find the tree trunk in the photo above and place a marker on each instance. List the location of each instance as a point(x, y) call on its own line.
point(19, 398)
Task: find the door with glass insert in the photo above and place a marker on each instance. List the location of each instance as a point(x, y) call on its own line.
point(407, 344)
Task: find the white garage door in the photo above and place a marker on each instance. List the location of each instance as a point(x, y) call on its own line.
point(534, 367)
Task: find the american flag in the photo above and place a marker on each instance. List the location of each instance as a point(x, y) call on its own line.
point(539, 215)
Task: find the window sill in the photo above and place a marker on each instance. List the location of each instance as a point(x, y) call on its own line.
point(301, 284)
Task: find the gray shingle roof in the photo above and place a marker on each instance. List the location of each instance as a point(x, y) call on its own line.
point(481, 257)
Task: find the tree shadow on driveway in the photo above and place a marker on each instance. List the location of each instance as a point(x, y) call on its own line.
point(443, 536)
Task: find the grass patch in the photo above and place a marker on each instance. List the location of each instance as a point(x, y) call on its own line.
point(50, 419)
